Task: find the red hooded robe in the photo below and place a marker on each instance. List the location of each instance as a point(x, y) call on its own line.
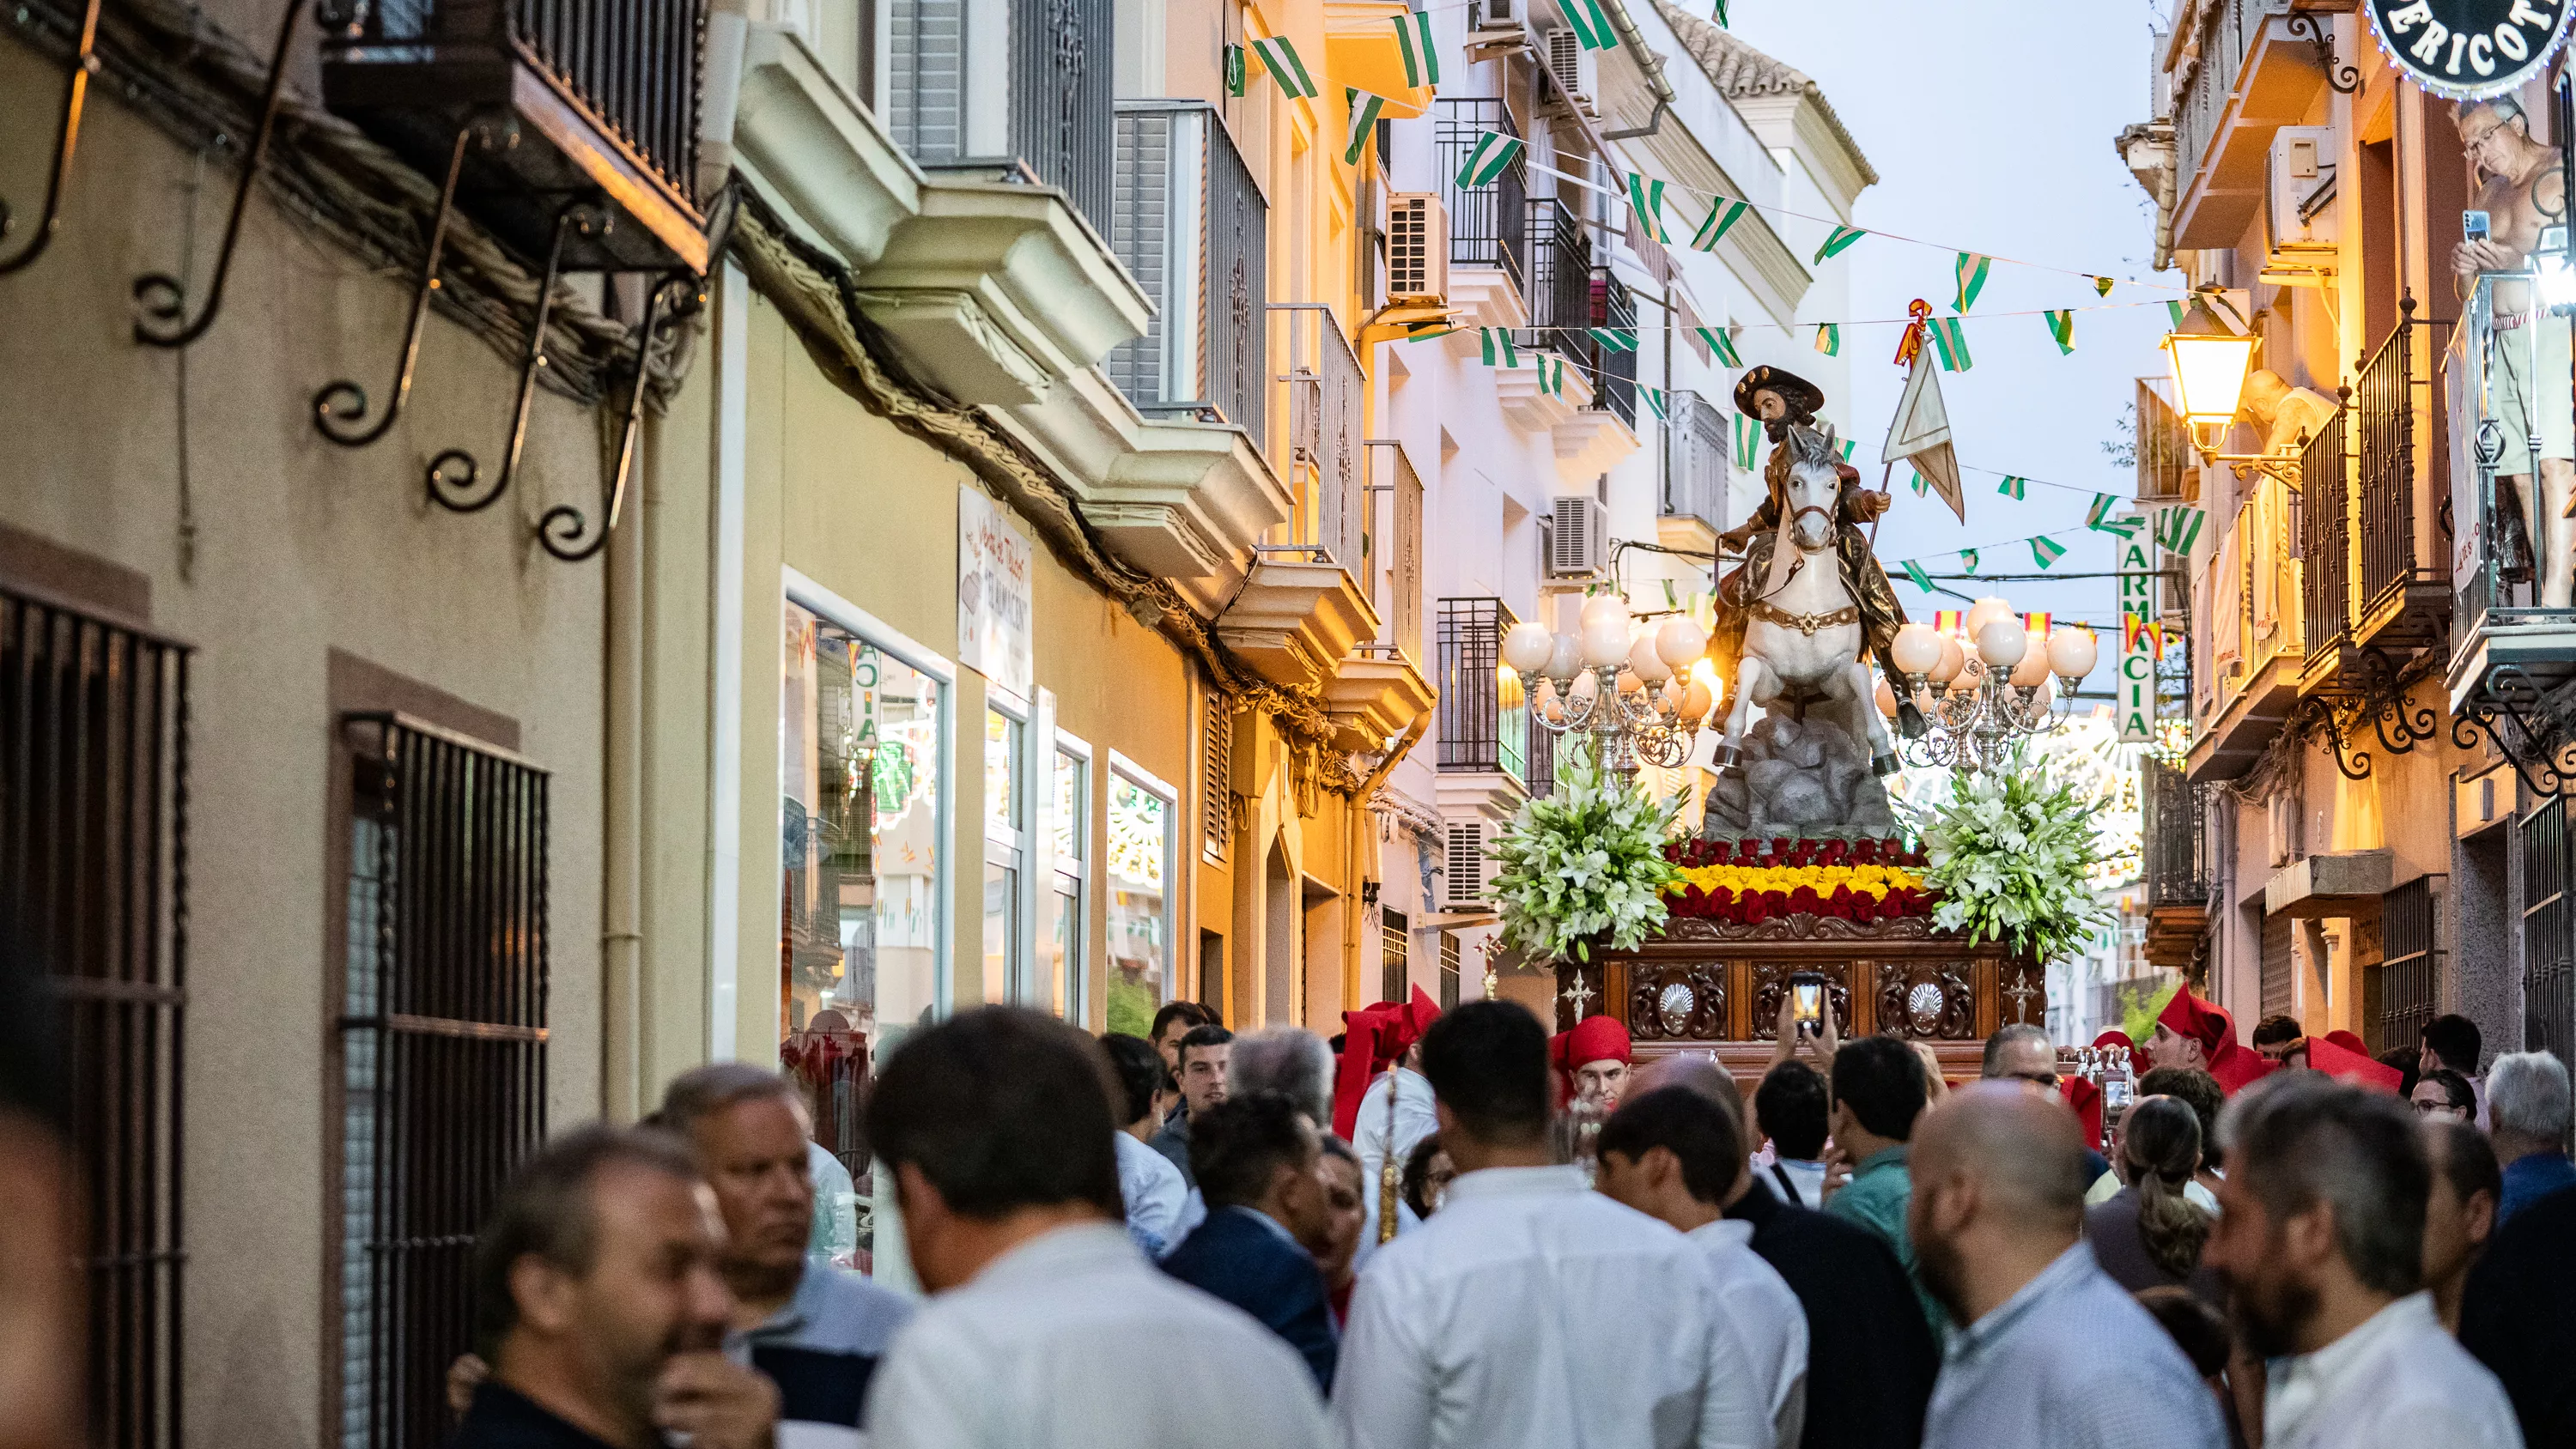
point(1376, 1039)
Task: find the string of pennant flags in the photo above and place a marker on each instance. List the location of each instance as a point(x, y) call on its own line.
point(2175, 527)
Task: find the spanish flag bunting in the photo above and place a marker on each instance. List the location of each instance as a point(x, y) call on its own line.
point(1946, 621)
point(1413, 37)
point(2035, 622)
point(1970, 271)
point(2131, 626)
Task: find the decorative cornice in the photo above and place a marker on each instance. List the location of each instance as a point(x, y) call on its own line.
point(1803, 928)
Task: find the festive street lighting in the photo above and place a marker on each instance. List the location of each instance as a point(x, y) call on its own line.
point(2209, 362)
point(2018, 683)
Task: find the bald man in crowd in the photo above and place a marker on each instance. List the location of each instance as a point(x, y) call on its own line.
point(1996, 1216)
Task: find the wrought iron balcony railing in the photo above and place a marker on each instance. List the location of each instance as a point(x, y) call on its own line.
point(2176, 837)
point(1695, 461)
point(570, 103)
point(1484, 723)
point(1189, 224)
point(1614, 369)
point(1062, 104)
point(2326, 544)
point(1487, 224)
point(1559, 291)
point(2400, 536)
point(1319, 398)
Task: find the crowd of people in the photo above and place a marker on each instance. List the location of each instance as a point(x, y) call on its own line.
point(1453, 1230)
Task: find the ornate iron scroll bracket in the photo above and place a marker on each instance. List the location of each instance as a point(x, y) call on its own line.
point(2531, 723)
point(163, 297)
point(453, 476)
point(66, 140)
point(343, 403)
point(2310, 27)
point(564, 530)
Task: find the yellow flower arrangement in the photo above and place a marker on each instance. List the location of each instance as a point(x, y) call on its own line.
point(1873, 881)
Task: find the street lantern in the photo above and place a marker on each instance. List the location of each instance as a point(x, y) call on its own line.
point(2209, 364)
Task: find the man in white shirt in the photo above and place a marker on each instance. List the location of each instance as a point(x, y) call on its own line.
point(2321, 1246)
point(1675, 1156)
point(1148, 1182)
point(1049, 1328)
point(1530, 1310)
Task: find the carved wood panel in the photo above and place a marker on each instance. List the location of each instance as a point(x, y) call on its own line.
point(1927, 999)
point(1680, 1001)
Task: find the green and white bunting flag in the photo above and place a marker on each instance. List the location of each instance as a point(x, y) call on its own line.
point(1748, 443)
point(1591, 27)
point(1970, 271)
point(1838, 243)
point(1721, 340)
point(1914, 571)
point(2175, 311)
point(1499, 351)
point(2125, 527)
point(1720, 16)
point(1491, 156)
point(1920, 487)
point(2061, 328)
point(1234, 69)
point(1646, 198)
point(1551, 375)
point(1829, 338)
point(2178, 528)
point(1850, 446)
point(2101, 286)
point(1280, 59)
point(1655, 402)
point(1425, 334)
point(1617, 339)
point(2046, 551)
point(2101, 508)
point(2015, 487)
point(1967, 560)
point(1950, 340)
point(1413, 37)
point(1721, 215)
point(1364, 112)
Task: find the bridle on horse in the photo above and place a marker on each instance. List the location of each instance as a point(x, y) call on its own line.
point(1807, 624)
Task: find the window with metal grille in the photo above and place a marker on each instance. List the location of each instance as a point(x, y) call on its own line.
point(2548, 946)
point(2410, 966)
point(1448, 970)
point(1480, 729)
point(442, 1053)
point(2277, 965)
point(1216, 775)
point(94, 863)
point(1395, 935)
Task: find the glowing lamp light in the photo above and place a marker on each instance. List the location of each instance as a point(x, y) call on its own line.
point(2034, 662)
point(1953, 661)
point(2209, 362)
point(1916, 649)
point(1604, 606)
point(1605, 641)
point(2072, 652)
point(1983, 612)
point(1527, 647)
point(1647, 662)
point(1680, 641)
point(2001, 644)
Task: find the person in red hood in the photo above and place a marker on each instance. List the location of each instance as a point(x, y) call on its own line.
point(2343, 1056)
point(1591, 1061)
point(2193, 1033)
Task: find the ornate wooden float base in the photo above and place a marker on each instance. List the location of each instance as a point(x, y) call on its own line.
point(1704, 986)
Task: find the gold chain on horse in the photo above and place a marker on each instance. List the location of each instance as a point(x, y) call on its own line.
point(1807, 624)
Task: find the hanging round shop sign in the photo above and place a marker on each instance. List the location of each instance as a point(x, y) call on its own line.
point(2466, 49)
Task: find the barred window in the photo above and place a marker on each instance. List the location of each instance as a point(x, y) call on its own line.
point(1448, 970)
point(442, 1053)
point(94, 861)
point(1395, 935)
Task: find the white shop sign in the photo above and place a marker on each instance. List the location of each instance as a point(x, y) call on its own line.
point(994, 600)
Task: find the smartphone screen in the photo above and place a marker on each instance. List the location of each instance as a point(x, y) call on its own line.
point(2473, 225)
point(1811, 1002)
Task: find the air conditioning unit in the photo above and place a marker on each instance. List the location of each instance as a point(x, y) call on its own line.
point(1571, 66)
point(2300, 194)
point(1494, 28)
point(1417, 248)
point(1468, 869)
point(1579, 542)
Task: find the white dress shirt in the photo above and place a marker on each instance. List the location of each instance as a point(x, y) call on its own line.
point(1414, 1120)
point(1154, 1193)
point(1530, 1311)
point(1074, 1341)
point(1764, 1331)
point(2396, 1382)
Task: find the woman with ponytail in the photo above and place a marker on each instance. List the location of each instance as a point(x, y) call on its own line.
point(2151, 1234)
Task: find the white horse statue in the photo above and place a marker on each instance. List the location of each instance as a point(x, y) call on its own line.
point(1802, 635)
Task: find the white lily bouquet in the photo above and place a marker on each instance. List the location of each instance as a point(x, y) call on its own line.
point(1585, 862)
point(2008, 854)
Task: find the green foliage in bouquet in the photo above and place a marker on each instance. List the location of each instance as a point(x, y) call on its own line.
point(2008, 854)
point(1585, 862)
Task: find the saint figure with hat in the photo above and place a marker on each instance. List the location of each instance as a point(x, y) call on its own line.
point(1782, 401)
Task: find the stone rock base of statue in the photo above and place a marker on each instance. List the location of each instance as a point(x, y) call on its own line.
point(1807, 779)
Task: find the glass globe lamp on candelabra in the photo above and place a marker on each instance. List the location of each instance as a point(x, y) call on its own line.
point(1640, 690)
point(1987, 687)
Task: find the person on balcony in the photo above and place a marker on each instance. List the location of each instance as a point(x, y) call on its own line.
point(2520, 190)
point(2289, 416)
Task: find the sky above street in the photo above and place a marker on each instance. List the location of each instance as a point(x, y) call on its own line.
point(1990, 124)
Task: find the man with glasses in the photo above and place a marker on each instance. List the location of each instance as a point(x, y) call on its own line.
point(2023, 1053)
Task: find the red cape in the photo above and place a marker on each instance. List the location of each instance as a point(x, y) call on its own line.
point(2085, 1097)
point(2235, 1065)
point(1377, 1038)
point(2329, 1055)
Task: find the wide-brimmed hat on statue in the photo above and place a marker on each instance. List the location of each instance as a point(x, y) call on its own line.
point(1802, 396)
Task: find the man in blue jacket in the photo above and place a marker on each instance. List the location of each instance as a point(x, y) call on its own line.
point(1256, 1158)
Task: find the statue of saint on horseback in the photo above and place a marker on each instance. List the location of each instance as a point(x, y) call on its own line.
point(1810, 607)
